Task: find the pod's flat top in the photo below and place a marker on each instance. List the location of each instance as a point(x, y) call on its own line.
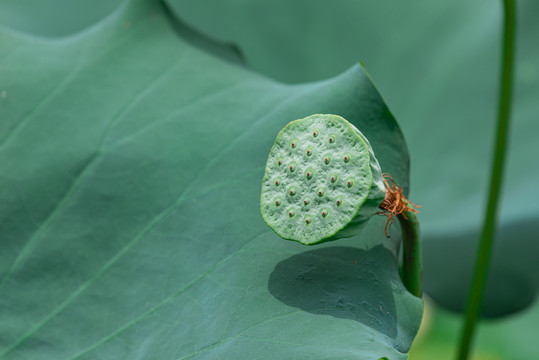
point(317, 178)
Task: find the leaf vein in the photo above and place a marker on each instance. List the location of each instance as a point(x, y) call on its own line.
point(160, 217)
point(168, 299)
point(98, 154)
point(225, 341)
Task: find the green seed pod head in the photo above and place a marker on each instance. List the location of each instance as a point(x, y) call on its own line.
point(335, 186)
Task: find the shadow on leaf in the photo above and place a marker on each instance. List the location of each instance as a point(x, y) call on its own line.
point(344, 282)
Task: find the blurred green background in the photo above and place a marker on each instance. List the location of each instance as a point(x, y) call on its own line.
point(436, 64)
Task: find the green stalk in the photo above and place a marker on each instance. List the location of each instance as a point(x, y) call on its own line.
point(489, 227)
point(412, 268)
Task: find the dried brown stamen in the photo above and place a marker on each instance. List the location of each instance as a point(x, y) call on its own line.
point(395, 203)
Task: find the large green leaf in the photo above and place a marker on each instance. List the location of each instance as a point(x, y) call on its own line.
point(129, 201)
point(437, 64)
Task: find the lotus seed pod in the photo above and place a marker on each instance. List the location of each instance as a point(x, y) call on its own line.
point(322, 181)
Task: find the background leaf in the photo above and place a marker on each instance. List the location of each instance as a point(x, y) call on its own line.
point(131, 165)
point(53, 18)
point(437, 65)
point(510, 338)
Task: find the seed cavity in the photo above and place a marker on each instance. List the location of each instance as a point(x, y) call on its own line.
point(332, 139)
point(346, 158)
point(294, 144)
point(309, 174)
point(315, 133)
point(350, 182)
point(309, 151)
point(292, 167)
point(292, 191)
point(308, 220)
point(327, 159)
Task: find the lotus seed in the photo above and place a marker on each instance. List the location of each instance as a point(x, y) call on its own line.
point(327, 159)
point(350, 182)
point(346, 158)
point(315, 133)
point(293, 144)
point(309, 174)
point(277, 182)
point(320, 192)
point(292, 191)
point(306, 202)
point(277, 202)
point(291, 213)
point(333, 178)
point(324, 213)
point(338, 202)
point(332, 139)
point(280, 162)
point(307, 220)
point(292, 167)
point(309, 151)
